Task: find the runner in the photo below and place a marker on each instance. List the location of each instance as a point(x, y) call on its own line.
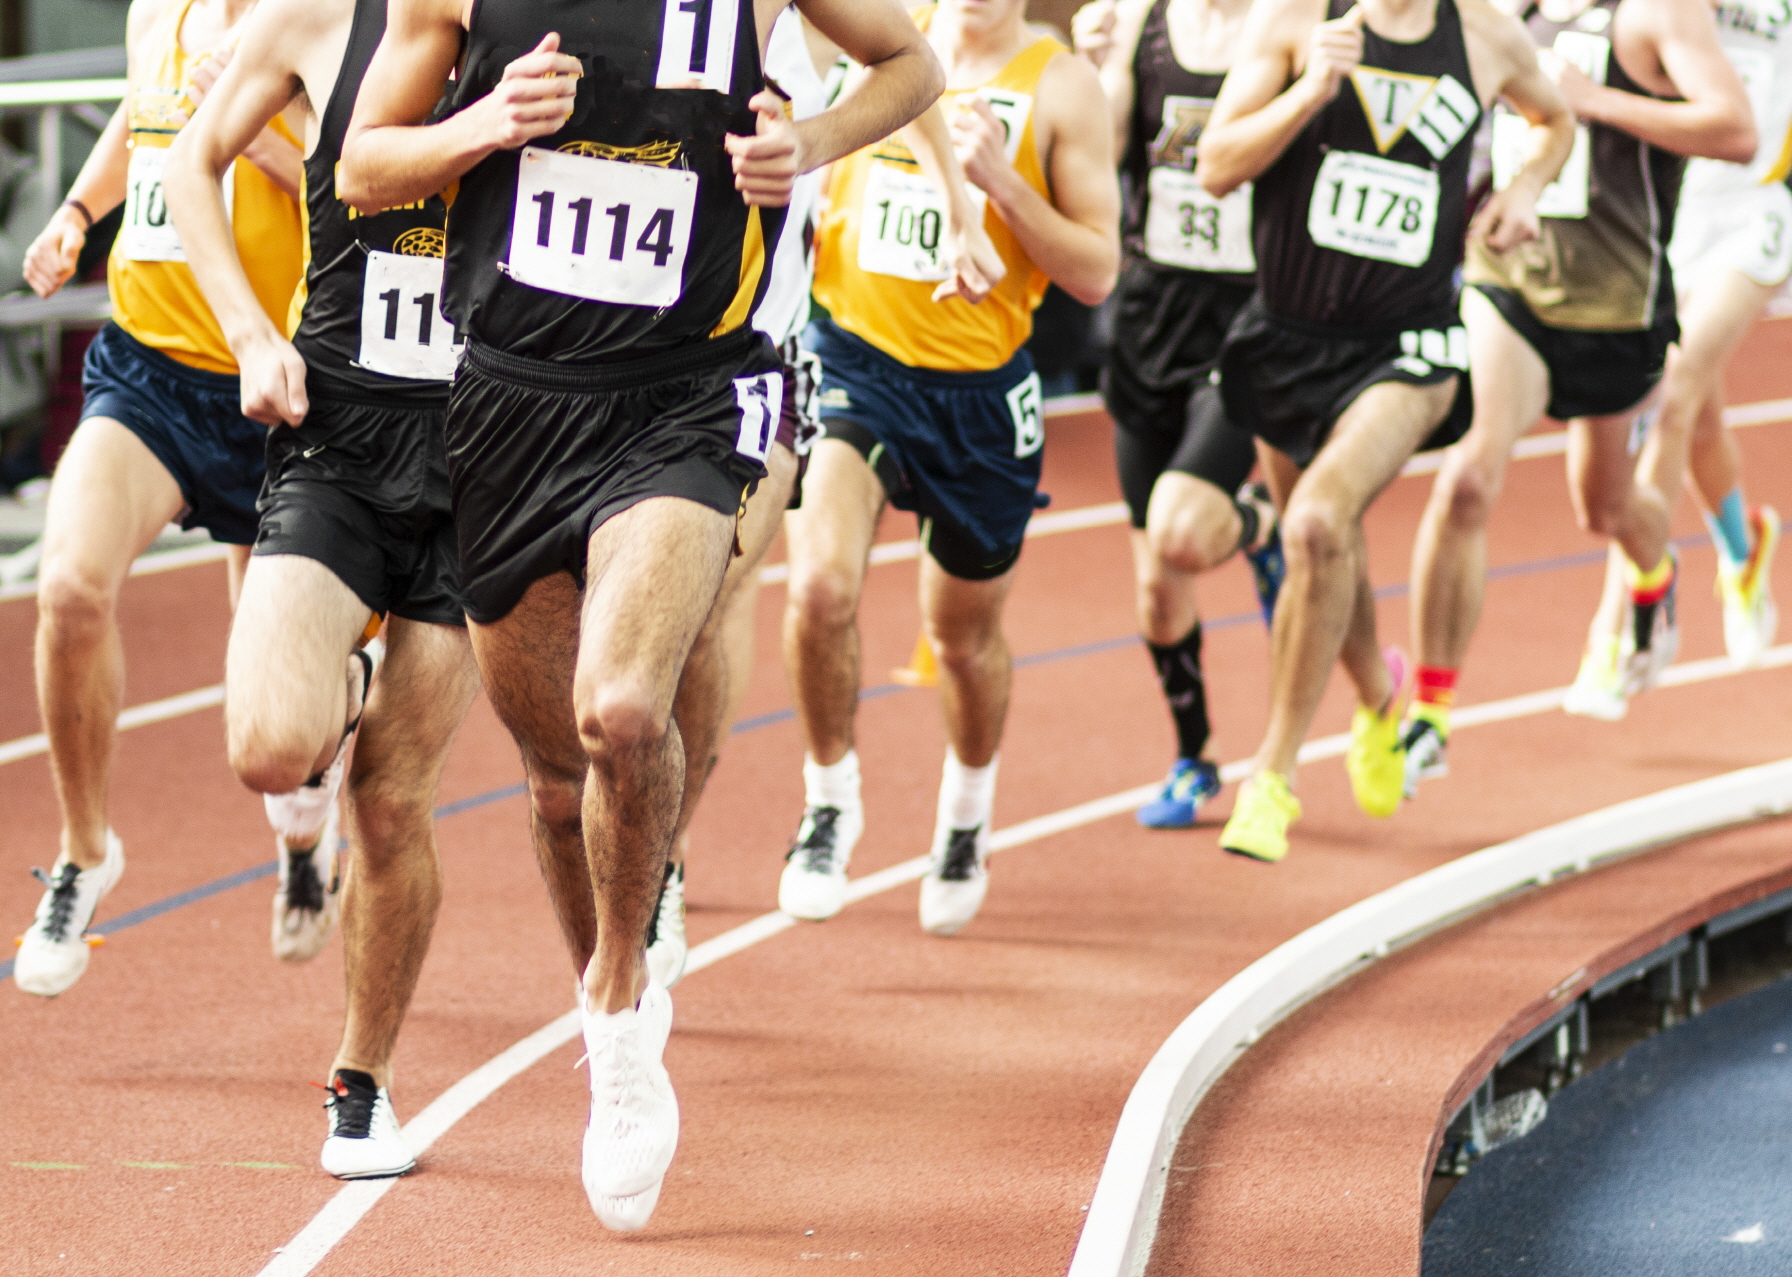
point(716, 673)
point(933, 406)
point(355, 527)
point(1187, 270)
point(1350, 356)
point(162, 437)
point(1580, 326)
point(610, 415)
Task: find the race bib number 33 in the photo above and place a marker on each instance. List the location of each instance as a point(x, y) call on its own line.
point(603, 230)
point(1370, 207)
point(1187, 227)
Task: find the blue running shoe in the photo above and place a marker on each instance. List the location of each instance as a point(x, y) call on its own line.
point(1269, 567)
point(1191, 783)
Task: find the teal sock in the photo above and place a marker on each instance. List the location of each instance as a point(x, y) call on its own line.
point(1729, 528)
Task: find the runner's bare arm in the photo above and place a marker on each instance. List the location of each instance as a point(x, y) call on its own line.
point(1715, 119)
point(100, 185)
point(1268, 96)
point(900, 77)
point(1074, 237)
point(976, 266)
point(261, 80)
point(1503, 62)
point(279, 160)
point(390, 157)
point(1106, 33)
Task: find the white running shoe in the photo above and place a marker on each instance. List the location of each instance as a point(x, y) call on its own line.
point(626, 1214)
point(957, 879)
point(53, 952)
point(1751, 619)
point(813, 885)
point(667, 948)
point(633, 1130)
point(1598, 690)
point(364, 1140)
point(309, 895)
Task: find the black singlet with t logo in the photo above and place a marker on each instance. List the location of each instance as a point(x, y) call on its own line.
point(1171, 107)
point(1360, 222)
point(629, 237)
point(346, 252)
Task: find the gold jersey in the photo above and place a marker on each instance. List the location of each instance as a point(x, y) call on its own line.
point(154, 295)
point(878, 249)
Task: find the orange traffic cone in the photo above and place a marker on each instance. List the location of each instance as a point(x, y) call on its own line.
point(922, 670)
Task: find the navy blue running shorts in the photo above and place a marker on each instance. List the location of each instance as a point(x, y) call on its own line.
point(192, 421)
point(960, 450)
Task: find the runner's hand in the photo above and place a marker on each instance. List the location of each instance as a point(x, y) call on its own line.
point(766, 164)
point(50, 260)
point(976, 266)
point(1576, 87)
point(980, 139)
point(1334, 50)
point(272, 376)
point(1092, 30)
point(534, 98)
point(1507, 219)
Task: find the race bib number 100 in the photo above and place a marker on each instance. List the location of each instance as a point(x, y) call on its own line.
point(147, 233)
point(403, 332)
point(603, 230)
point(1370, 207)
point(902, 222)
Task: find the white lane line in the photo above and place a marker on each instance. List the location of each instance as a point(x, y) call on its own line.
point(343, 1211)
point(147, 565)
point(136, 716)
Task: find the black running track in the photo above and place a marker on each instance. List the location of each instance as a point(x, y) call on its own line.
point(1674, 1160)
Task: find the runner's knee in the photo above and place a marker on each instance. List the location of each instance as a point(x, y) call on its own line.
point(392, 816)
point(74, 604)
point(824, 598)
point(1316, 531)
point(622, 718)
point(268, 762)
point(1470, 493)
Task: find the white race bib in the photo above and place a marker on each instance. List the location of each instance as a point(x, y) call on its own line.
point(1026, 404)
point(603, 230)
point(147, 233)
point(1370, 207)
point(761, 401)
point(901, 225)
point(403, 331)
point(1187, 227)
point(1564, 197)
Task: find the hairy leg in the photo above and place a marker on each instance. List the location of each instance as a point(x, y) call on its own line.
point(1449, 567)
point(655, 572)
point(291, 685)
point(394, 881)
point(830, 545)
point(1609, 501)
point(1191, 526)
point(1321, 535)
point(964, 625)
point(109, 500)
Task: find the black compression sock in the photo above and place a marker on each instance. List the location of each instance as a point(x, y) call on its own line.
point(1250, 521)
point(1179, 673)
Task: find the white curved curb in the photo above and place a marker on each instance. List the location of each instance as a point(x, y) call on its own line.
point(1122, 1223)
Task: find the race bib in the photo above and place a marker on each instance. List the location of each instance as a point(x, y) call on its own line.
point(761, 400)
point(1370, 207)
point(901, 225)
point(1026, 404)
point(1187, 227)
point(1564, 197)
point(603, 230)
point(147, 233)
point(403, 332)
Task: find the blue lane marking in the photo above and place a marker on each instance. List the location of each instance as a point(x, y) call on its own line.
point(244, 877)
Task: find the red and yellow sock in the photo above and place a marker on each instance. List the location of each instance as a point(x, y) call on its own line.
point(1436, 694)
point(1647, 588)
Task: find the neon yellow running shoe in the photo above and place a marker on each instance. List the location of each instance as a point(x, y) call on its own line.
point(1260, 818)
point(1376, 760)
point(1599, 689)
point(1750, 617)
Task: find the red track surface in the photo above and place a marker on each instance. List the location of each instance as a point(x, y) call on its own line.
point(851, 1090)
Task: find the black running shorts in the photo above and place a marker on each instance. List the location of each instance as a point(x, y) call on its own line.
point(1169, 326)
point(363, 489)
point(1591, 374)
point(1289, 382)
point(540, 454)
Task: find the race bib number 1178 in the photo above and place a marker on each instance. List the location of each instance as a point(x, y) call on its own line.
point(1370, 207)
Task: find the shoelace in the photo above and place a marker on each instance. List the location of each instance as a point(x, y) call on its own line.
point(304, 890)
point(961, 855)
point(818, 848)
point(63, 894)
point(352, 1106)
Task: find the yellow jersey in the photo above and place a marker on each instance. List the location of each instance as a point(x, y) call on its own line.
point(154, 295)
point(877, 247)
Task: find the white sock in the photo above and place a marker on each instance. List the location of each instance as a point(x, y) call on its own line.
point(836, 785)
point(967, 794)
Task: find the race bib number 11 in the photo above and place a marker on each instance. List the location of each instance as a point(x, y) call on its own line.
point(603, 230)
point(1370, 207)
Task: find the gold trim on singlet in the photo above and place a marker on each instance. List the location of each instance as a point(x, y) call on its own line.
point(752, 266)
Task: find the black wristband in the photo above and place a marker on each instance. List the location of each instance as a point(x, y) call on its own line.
point(82, 209)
